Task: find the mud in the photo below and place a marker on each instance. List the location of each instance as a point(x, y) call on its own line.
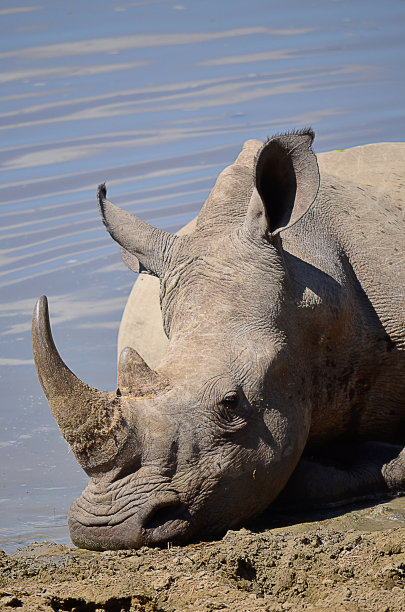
point(353, 561)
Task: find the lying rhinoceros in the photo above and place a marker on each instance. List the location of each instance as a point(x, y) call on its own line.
point(284, 311)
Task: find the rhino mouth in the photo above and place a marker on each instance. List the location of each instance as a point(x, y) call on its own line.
point(112, 517)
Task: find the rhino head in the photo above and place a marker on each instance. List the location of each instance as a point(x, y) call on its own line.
point(211, 437)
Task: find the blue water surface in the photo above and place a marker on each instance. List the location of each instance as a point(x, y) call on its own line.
point(155, 97)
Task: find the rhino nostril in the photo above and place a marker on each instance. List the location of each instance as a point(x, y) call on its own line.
point(163, 514)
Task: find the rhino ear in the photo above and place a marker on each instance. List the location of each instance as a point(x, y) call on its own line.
point(144, 248)
point(286, 183)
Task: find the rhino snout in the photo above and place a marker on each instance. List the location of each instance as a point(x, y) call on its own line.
point(165, 519)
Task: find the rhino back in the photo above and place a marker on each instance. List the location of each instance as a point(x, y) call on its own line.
point(380, 166)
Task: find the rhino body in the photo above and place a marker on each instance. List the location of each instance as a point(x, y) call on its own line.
point(283, 316)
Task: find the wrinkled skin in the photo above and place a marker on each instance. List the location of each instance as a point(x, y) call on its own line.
point(285, 318)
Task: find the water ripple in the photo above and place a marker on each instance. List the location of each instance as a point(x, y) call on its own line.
point(139, 41)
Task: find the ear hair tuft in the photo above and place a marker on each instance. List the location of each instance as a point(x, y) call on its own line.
point(306, 131)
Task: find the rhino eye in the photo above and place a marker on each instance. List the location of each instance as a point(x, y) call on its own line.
point(230, 401)
point(232, 413)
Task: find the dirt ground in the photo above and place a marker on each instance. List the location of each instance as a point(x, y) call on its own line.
point(352, 561)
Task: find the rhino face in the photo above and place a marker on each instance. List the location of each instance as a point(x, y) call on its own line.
point(210, 438)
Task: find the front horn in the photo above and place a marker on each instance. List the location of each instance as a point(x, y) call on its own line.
point(90, 420)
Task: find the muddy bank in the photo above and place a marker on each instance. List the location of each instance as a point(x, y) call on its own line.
point(354, 561)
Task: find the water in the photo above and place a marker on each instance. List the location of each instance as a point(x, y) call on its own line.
point(155, 97)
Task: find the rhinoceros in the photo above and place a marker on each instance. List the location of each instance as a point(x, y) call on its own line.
point(284, 366)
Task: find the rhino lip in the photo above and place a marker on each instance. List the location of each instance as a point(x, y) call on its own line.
point(166, 522)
